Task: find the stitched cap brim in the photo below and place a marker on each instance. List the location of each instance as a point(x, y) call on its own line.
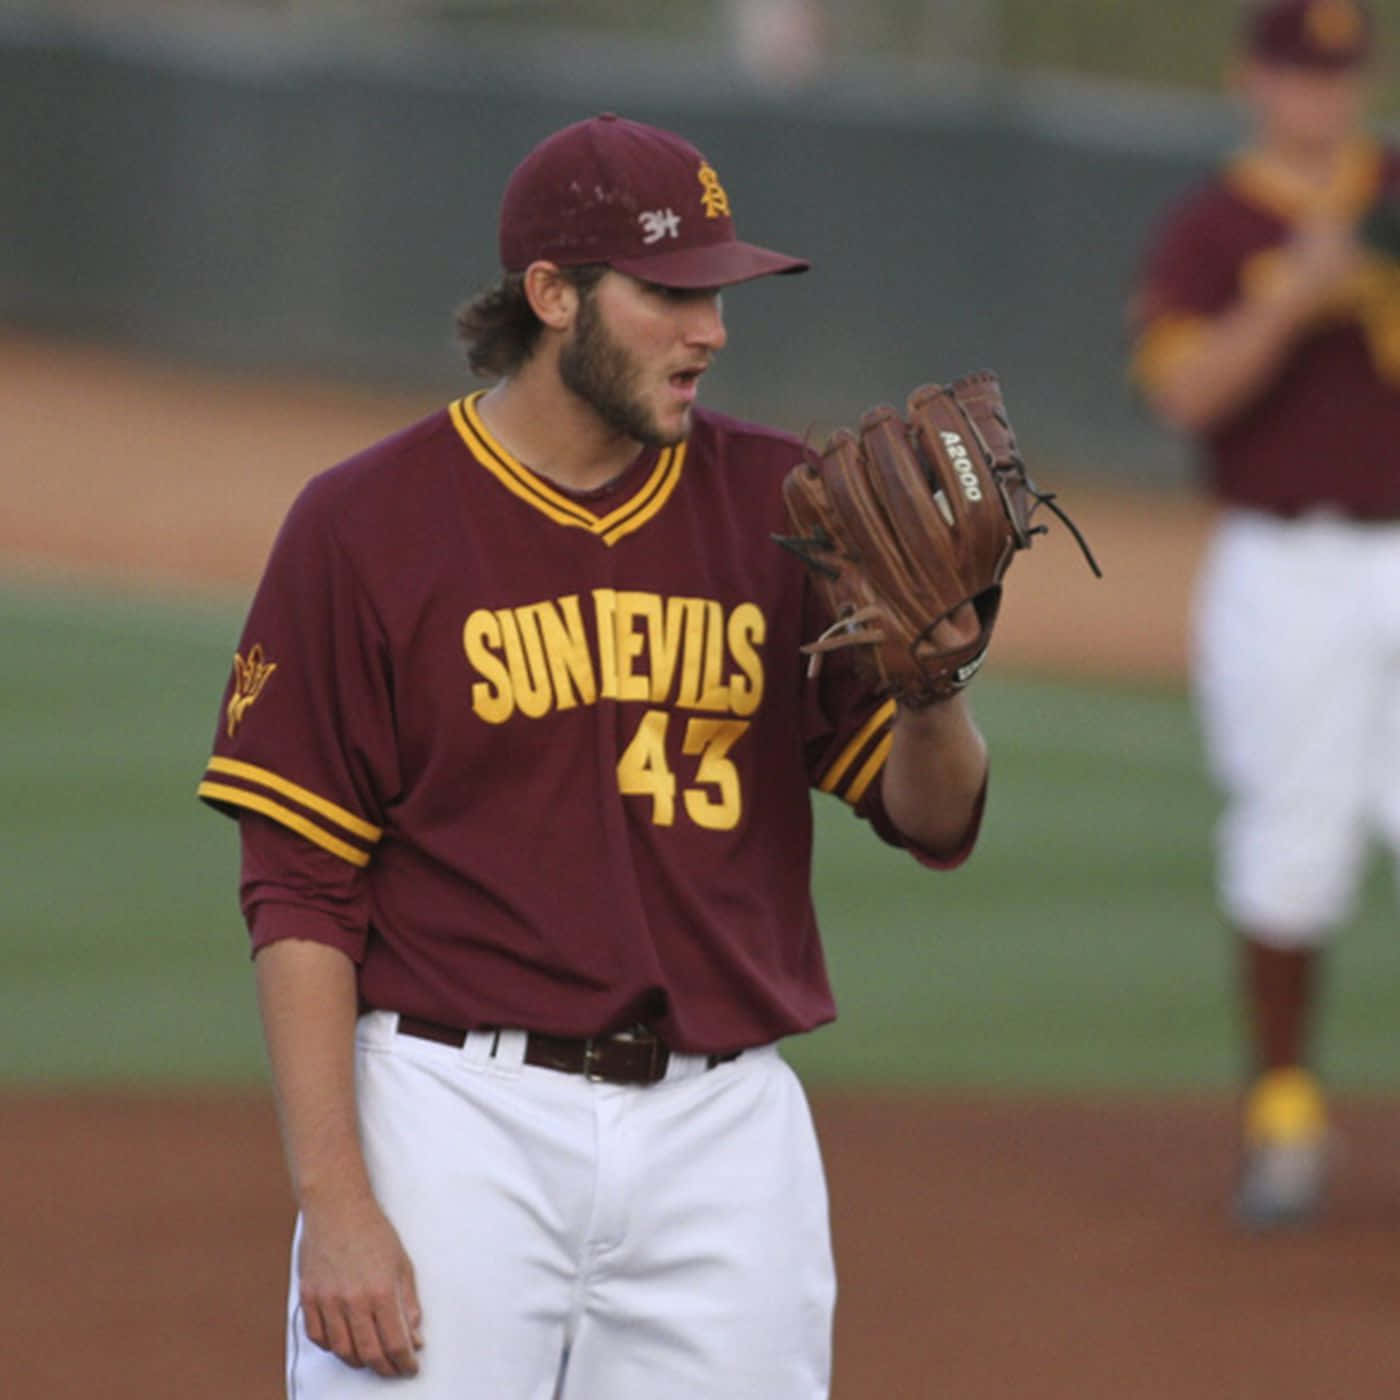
point(718, 265)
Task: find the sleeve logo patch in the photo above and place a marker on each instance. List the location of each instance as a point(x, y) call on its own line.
point(249, 677)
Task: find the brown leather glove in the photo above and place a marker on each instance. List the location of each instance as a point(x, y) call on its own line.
point(905, 522)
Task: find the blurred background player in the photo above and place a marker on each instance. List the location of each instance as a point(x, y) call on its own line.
point(1268, 328)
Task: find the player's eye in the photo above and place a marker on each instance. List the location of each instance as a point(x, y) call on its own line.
point(681, 296)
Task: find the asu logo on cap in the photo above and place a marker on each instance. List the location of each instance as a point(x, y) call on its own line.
point(1318, 34)
point(1334, 24)
point(714, 199)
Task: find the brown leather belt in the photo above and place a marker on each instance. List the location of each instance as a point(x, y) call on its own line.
point(639, 1057)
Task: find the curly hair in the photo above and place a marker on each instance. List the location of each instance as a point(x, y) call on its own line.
point(498, 326)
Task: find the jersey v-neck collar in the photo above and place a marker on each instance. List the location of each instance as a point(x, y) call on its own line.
point(1263, 181)
point(651, 494)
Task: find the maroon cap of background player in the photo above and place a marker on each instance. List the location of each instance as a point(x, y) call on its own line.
point(1321, 34)
point(637, 198)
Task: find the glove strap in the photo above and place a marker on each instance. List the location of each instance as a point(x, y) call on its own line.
point(848, 631)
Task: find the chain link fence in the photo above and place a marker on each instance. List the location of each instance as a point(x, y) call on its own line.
point(1183, 43)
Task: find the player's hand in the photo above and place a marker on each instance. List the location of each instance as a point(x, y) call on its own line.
point(960, 627)
point(1323, 256)
point(358, 1296)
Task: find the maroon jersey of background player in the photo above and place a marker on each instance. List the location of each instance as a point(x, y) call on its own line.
point(1316, 434)
point(541, 745)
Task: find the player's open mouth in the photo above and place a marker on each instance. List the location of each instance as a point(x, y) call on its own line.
point(686, 382)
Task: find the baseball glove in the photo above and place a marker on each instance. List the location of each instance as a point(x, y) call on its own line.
point(908, 520)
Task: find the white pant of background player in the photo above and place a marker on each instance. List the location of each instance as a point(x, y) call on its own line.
point(672, 1242)
point(1297, 670)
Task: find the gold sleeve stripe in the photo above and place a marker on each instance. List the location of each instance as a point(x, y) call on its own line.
point(241, 797)
point(856, 747)
point(1165, 343)
point(303, 797)
point(867, 774)
point(521, 482)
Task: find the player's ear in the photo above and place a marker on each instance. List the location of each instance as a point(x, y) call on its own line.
point(552, 296)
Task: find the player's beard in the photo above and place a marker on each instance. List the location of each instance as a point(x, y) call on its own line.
point(606, 377)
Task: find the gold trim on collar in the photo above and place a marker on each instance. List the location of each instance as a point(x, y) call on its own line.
point(531, 488)
point(1262, 180)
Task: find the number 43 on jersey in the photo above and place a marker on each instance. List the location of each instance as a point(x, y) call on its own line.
point(712, 797)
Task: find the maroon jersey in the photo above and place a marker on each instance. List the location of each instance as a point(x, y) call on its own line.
point(1323, 433)
point(543, 759)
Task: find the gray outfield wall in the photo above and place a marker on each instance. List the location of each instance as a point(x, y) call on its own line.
point(312, 206)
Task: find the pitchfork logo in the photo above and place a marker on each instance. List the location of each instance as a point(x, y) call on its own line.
point(249, 677)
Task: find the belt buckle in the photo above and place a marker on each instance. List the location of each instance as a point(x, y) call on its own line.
point(657, 1056)
point(640, 1035)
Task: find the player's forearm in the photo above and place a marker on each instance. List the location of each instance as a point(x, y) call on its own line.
point(935, 773)
point(306, 994)
point(1239, 356)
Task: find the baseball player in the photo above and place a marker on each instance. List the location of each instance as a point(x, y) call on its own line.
point(520, 744)
point(1268, 329)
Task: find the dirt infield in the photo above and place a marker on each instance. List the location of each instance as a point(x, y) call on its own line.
point(988, 1251)
point(987, 1248)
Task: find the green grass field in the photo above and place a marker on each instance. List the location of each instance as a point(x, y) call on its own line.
point(1077, 950)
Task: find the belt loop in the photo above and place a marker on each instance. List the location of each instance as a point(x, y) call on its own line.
point(376, 1027)
point(476, 1048)
point(505, 1050)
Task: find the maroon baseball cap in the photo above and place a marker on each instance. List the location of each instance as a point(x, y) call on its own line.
point(637, 198)
point(1327, 35)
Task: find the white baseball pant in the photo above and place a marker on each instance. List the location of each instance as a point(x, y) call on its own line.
point(575, 1240)
point(1297, 677)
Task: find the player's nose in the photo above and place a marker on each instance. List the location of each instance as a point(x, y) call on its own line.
point(705, 324)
